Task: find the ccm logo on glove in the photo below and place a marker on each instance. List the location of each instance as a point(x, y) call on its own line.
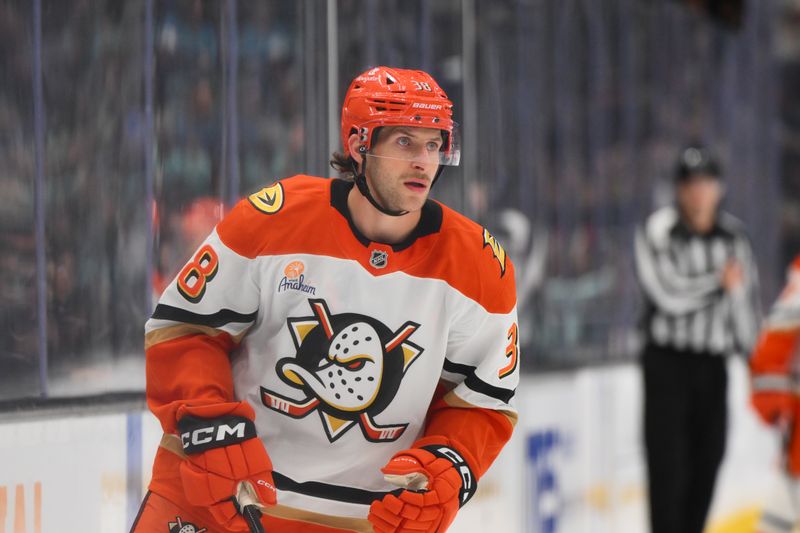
point(468, 483)
point(198, 434)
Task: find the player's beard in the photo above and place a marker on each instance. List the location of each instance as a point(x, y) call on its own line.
point(389, 190)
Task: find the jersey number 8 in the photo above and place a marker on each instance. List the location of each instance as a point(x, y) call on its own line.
point(197, 273)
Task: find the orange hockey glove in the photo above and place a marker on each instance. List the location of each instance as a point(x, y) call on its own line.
point(774, 406)
point(223, 451)
point(438, 481)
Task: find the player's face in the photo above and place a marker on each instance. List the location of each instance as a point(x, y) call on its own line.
point(401, 166)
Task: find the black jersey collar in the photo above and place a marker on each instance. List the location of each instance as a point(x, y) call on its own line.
point(430, 221)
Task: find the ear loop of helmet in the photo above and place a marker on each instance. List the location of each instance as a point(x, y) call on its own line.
point(361, 182)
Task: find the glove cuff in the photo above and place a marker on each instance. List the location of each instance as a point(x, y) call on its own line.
point(201, 434)
point(469, 483)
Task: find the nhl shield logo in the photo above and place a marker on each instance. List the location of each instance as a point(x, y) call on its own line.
point(379, 259)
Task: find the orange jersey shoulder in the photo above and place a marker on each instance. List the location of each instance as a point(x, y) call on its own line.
point(472, 261)
point(295, 215)
point(257, 224)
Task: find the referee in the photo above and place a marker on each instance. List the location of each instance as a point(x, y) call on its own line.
point(699, 280)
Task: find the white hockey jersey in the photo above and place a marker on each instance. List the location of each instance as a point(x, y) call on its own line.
point(341, 345)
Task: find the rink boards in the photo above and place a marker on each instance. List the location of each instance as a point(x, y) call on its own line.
point(574, 465)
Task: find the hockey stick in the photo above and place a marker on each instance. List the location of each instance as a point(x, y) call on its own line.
point(249, 507)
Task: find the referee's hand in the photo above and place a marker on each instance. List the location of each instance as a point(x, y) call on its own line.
point(732, 275)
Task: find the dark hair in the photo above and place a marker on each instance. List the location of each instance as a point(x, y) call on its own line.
point(694, 160)
point(343, 164)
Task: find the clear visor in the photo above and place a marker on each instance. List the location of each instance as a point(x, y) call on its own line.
point(420, 144)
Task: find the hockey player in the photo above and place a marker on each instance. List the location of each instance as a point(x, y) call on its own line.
point(340, 355)
point(774, 367)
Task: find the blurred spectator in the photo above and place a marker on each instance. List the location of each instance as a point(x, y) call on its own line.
point(270, 85)
point(788, 52)
point(186, 230)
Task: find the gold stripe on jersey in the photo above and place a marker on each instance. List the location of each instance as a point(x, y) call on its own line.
point(173, 332)
point(173, 444)
point(453, 400)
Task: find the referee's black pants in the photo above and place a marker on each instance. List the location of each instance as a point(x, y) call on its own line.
point(685, 420)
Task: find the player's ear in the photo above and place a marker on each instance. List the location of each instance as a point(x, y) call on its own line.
point(354, 148)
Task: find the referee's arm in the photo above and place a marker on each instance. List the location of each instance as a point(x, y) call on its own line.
point(671, 292)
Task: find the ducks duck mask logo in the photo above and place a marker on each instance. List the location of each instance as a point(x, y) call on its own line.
point(349, 367)
point(184, 527)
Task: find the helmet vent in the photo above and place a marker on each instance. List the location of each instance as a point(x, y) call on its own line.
point(380, 105)
point(388, 102)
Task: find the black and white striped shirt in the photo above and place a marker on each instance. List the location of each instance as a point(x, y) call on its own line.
point(687, 308)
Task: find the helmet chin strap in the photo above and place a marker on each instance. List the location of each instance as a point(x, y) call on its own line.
point(361, 182)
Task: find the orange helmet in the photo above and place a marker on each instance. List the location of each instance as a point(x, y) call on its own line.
point(384, 96)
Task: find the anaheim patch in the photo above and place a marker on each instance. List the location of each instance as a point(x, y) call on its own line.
point(268, 200)
point(497, 250)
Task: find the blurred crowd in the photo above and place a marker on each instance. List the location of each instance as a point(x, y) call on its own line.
point(788, 52)
point(96, 216)
point(193, 130)
point(580, 121)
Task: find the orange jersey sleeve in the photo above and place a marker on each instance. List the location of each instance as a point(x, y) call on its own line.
point(199, 321)
point(775, 355)
point(472, 409)
point(193, 369)
point(478, 433)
